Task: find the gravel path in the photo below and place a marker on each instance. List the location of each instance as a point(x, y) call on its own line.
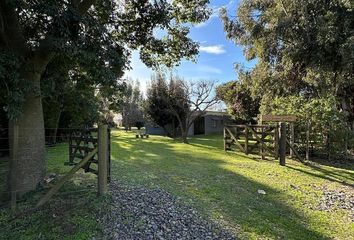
point(338, 199)
point(141, 213)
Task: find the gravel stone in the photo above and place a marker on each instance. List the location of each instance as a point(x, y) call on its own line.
point(337, 199)
point(142, 213)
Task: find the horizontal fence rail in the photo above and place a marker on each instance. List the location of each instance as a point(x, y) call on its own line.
point(67, 151)
point(251, 138)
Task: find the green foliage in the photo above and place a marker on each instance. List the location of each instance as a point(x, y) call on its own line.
point(157, 101)
point(132, 111)
point(319, 111)
point(321, 114)
point(238, 100)
point(69, 95)
point(12, 87)
point(302, 48)
point(95, 38)
point(164, 101)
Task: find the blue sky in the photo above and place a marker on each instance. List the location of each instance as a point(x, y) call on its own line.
point(216, 58)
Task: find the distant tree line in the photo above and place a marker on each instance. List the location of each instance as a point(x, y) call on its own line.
point(132, 108)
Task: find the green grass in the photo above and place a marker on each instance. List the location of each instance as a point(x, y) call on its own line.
point(71, 214)
point(221, 185)
point(224, 186)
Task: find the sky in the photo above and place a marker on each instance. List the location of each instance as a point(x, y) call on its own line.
point(216, 58)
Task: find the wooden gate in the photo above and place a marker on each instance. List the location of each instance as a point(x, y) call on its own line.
point(81, 143)
point(251, 138)
point(90, 146)
point(270, 139)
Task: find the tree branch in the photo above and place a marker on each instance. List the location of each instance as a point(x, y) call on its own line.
point(85, 5)
point(44, 53)
point(11, 33)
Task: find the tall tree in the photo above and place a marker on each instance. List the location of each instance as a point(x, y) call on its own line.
point(302, 47)
point(239, 101)
point(180, 102)
point(32, 33)
point(157, 103)
point(189, 101)
point(132, 106)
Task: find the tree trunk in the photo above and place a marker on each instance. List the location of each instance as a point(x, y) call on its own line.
point(184, 135)
point(55, 130)
point(27, 151)
point(184, 132)
point(52, 114)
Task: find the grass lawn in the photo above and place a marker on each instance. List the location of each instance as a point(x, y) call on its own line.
point(70, 214)
point(221, 185)
point(224, 186)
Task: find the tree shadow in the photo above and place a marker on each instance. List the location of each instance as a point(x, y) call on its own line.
point(343, 163)
point(213, 188)
point(4, 169)
point(327, 175)
point(70, 214)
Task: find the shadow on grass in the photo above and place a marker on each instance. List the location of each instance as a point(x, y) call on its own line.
point(4, 165)
point(327, 175)
point(214, 189)
point(346, 162)
point(70, 214)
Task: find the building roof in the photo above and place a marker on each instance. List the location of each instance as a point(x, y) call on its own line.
point(217, 113)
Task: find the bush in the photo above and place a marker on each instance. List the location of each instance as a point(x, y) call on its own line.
point(328, 127)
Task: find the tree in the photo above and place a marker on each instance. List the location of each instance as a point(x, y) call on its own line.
point(190, 100)
point(303, 48)
point(178, 103)
point(239, 101)
point(33, 33)
point(70, 95)
point(132, 106)
point(157, 103)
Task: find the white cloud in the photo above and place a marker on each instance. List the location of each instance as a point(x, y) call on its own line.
point(214, 49)
point(209, 69)
point(202, 24)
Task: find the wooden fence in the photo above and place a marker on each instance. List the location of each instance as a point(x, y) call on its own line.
point(90, 146)
point(262, 139)
point(84, 141)
point(268, 140)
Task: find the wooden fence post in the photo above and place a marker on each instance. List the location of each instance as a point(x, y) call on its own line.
point(276, 141)
point(292, 139)
point(262, 143)
point(102, 159)
point(282, 144)
point(308, 141)
point(14, 135)
point(224, 139)
point(109, 156)
point(246, 140)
